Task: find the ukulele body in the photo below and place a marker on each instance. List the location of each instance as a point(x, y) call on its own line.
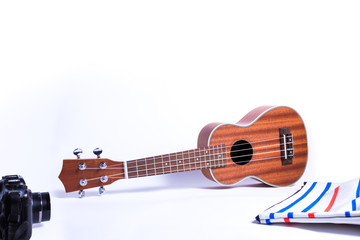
point(268, 144)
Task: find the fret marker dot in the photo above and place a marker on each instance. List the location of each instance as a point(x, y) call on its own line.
point(197, 159)
point(166, 164)
point(179, 161)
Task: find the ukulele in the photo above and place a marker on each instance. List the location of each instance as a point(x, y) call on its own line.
point(268, 144)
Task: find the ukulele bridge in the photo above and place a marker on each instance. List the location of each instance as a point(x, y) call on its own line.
point(286, 145)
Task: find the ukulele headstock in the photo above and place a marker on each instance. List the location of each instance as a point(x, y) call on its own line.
point(80, 174)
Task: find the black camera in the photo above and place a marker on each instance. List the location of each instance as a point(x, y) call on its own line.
point(20, 208)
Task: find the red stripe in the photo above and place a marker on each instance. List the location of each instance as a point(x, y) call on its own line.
point(287, 220)
point(311, 215)
point(332, 199)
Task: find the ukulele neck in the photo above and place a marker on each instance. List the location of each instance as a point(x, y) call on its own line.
point(195, 159)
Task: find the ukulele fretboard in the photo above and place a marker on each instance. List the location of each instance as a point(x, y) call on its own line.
point(196, 159)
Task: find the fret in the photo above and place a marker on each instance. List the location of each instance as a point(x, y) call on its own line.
point(166, 163)
point(223, 157)
point(163, 166)
point(159, 169)
point(192, 160)
point(146, 168)
point(187, 161)
point(197, 159)
point(173, 163)
point(209, 162)
point(142, 169)
point(203, 158)
point(218, 155)
point(212, 157)
point(153, 159)
point(132, 169)
point(150, 166)
point(180, 161)
point(208, 157)
point(137, 169)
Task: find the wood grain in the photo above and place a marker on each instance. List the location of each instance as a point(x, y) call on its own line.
point(70, 174)
point(260, 124)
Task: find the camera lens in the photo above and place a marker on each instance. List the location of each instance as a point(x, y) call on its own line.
point(41, 207)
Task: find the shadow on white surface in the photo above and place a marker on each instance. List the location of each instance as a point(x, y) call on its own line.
point(183, 180)
point(38, 225)
point(341, 229)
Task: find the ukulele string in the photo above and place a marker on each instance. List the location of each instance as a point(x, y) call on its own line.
point(198, 162)
point(163, 172)
point(202, 164)
point(226, 146)
point(185, 170)
point(178, 170)
point(214, 148)
point(209, 161)
point(171, 161)
point(208, 155)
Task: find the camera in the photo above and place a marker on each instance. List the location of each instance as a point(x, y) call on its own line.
point(20, 208)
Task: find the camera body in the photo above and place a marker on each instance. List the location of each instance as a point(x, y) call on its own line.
point(20, 208)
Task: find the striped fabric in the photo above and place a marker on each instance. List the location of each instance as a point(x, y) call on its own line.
point(318, 202)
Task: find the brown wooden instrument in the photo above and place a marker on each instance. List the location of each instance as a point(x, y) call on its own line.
point(268, 144)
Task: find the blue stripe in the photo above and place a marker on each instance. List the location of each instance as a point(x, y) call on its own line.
point(268, 221)
point(299, 199)
point(290, 215)
point(318, 199)
point(347, 214)
point(353, 203)
point(272, 215)
point(358, 190)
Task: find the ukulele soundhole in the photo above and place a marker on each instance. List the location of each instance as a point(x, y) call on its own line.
point(241, 152)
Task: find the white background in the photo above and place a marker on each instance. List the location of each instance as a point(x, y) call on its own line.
point(141, 78)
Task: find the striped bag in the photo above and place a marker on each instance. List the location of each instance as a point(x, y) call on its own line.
point(318, 202)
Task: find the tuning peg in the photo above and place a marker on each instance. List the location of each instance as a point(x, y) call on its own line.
point(102, 165)
point(104, 179)
point(77, 152)
point(82, 166)
point(101, 190)
point(97, 152)
point(81, 193)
